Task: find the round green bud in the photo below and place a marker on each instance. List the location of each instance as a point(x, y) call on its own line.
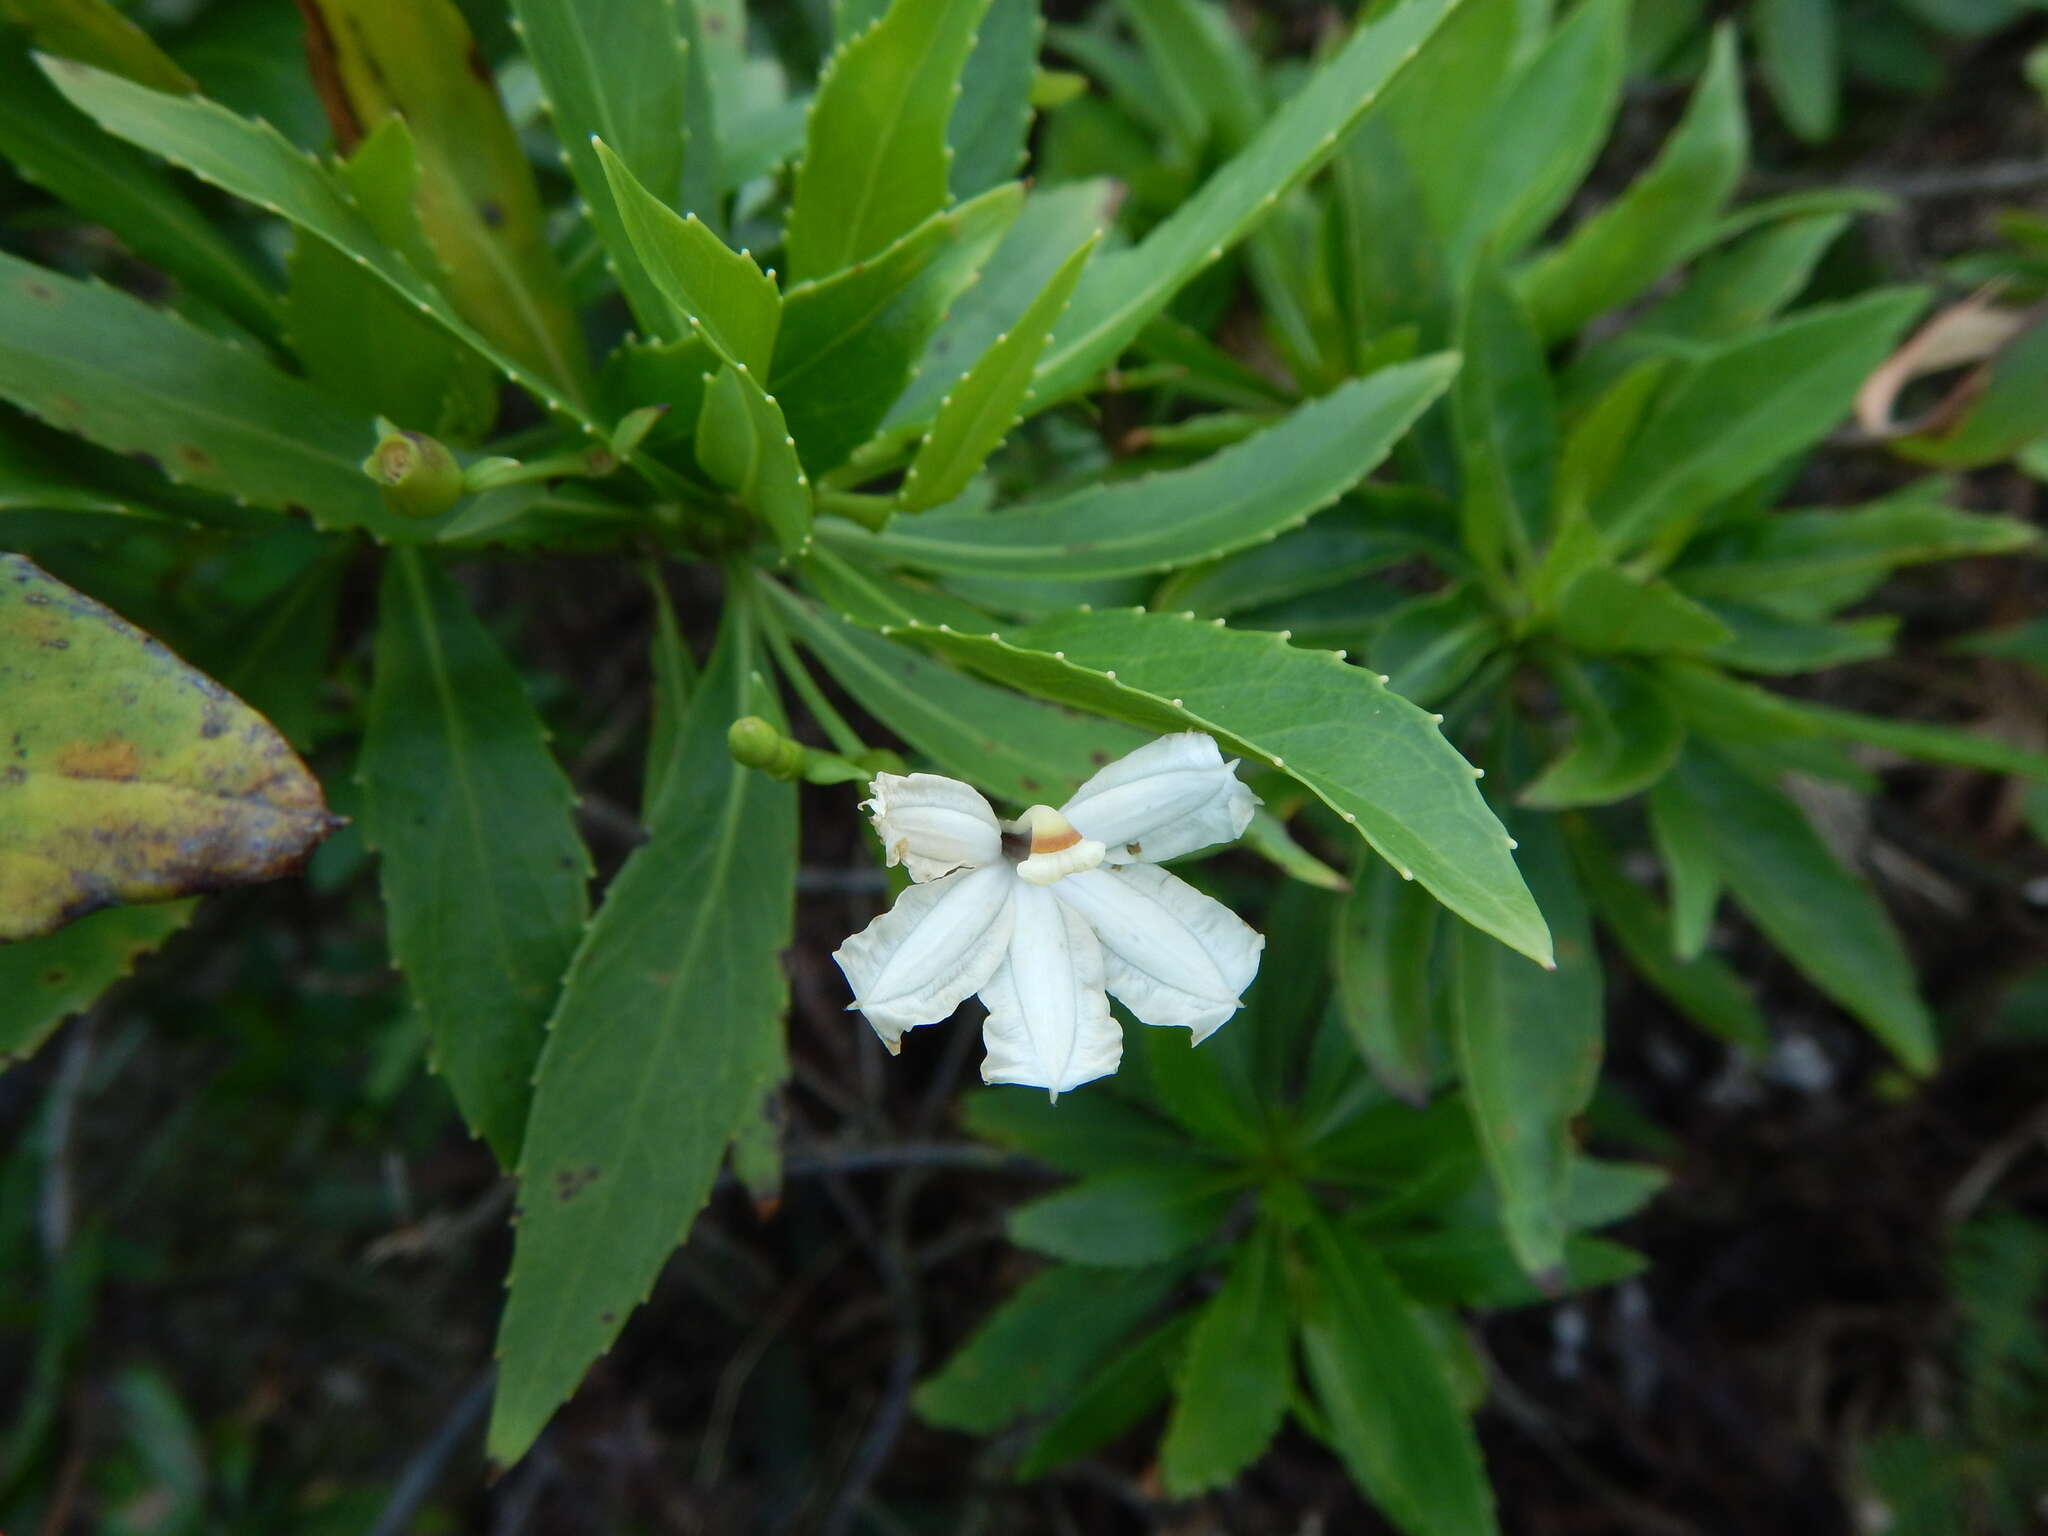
point(754, 743)
point(418, 475)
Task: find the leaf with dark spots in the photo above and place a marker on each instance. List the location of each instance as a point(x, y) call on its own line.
point(134, 777)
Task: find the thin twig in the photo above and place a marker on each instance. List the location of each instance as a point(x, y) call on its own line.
point(1983, 1175)
point(424, 1470)
point(54, 1210)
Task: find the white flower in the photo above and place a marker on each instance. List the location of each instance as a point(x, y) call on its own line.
point(1044, 915)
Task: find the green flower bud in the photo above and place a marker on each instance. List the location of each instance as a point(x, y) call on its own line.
point(754, 743)
point(418, 475)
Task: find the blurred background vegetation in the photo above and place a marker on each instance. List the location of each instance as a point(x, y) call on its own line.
point(249, 1260)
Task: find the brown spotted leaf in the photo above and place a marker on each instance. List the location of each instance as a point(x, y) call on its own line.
point(125, 775)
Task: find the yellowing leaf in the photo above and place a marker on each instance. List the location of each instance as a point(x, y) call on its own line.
point(126, 775)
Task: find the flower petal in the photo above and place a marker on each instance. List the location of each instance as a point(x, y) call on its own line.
point(936, 947)
point(933, 824)
point(1173, 956)
point(1048, 1022)
point(1163, 800)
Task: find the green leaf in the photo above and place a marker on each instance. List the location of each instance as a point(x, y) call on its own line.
point(1121, 292)
point(1430, 645)
point(479, 203)
point(1747, 407)
point(1699, 986)
point(708, 288)
point(1089, 1133)
point(1117, 1396)
point(1048, 227)
point(1015, 748)
point(1596, 442)
point(254, 162)
point(1505, 421)
point(1134, 1217)
point(1385, 1393)
point(1372, 757)
point(1666, 214)
point(1478, 1269)
point(849, 343)
point(667, 1034)
point(875, 157)
point(1739, 287)
point(1036, 1348)
point(615, 72)
point(483, 874)
point(1546, 128)
point(1380, 961)
point(1528, 1045)
point(55, 147)
point(1441, 108)
point(988, 400)
point(1787, 552)
point(45, 981)
point(743, 443)
point(1627, 737)
point(1227, 501)
point(1799, 52)
point(413, 372)
point(114, 371)
point(130, 776)
point(1236, 1376)
point(1350, 540)
point(1822, 917)
point(276, 657)
point(1770, 643)
point(992, 117)
point(96, 33)
point(1685, 841)
point(675, 678)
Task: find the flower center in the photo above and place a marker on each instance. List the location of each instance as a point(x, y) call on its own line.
point(1046, 846)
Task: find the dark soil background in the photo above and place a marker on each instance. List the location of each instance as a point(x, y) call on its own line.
point(297, 1236)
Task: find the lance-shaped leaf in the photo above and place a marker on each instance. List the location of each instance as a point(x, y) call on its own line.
point(128, 776)
point(1626, 737)
point(1236, 1376)
point(1790, 552)
point(479, 204)
point(1122, 292)
point(1131, 1217)
point(1825, 920)
point(1746, 408)
point(360, 341)
point(1546, 128)
point(706, 288)
point(45, 981)
point(1666, 214)
point(96, 33)
point(61, 151)
point(1380, 961)
point(1119, 1393)
point(849, 343)
point(1371, 756)
point(743, 443)
point(95, 362)
point(254, 161)
point(1698, 985)
point(617, 72)
point(483, 873)
point(1528, 1046)
point(1241, 496)
point(984, 404)
point(1040, 1344)
point(992, 117)
point(1014, 747)
point(1385, 1392)
point(1505, 420)
point(875, 157)
point(668, 1033)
